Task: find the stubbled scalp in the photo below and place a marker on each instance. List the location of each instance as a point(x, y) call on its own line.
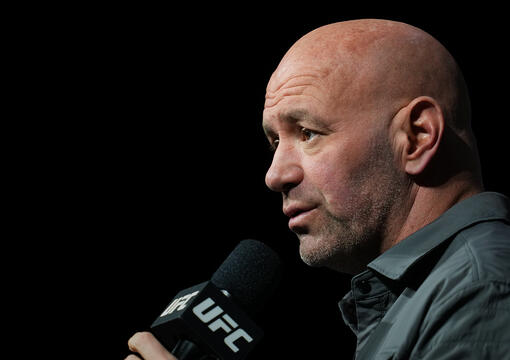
point(388, 62)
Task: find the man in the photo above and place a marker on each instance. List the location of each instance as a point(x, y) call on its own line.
point(379, 173)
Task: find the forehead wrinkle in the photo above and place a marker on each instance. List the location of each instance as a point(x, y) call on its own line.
point(289, 79)
point(293, 72)
point(292, 86)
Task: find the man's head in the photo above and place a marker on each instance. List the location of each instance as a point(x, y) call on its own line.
point(363, 115)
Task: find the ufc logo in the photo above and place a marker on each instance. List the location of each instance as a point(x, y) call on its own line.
point(178, 304)
point(207, 313)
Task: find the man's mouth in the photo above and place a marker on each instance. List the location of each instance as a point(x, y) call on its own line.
point(299, 215)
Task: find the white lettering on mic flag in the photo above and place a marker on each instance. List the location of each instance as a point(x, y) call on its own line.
point(223, 322)
point(178, 304)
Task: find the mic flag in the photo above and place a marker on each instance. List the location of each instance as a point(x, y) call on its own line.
point(213, 318)
point(205, 316)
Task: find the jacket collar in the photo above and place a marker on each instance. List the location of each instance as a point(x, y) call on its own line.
point(486, 206)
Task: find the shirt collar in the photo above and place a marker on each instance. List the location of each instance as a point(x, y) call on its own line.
point(485, 206)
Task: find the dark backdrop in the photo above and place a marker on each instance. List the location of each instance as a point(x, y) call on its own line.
point(158, 171)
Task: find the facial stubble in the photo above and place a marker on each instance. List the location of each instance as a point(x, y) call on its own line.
point(349, 239)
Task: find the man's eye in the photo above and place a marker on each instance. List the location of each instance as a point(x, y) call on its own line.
point(273, 145)
point(307, 134)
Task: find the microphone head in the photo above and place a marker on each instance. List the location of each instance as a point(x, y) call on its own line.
point(250, 274)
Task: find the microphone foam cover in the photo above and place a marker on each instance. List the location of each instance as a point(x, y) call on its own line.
point(251, 274)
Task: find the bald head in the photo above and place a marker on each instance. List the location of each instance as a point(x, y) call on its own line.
point(378, 64)
point(370, 123)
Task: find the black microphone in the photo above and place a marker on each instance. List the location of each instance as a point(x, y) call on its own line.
point(213, 320)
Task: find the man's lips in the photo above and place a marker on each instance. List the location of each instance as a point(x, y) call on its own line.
point(298, 215)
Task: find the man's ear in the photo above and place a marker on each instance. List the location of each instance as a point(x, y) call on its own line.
point(424, 125)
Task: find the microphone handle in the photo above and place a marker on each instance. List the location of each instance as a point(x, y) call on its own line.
point(187, 350)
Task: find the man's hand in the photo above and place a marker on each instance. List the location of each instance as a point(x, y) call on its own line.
point(149, 348)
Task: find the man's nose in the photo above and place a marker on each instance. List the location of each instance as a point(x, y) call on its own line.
point(285, 171)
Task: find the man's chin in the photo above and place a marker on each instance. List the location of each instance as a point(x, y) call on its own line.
point(312, 252)
point(317, 252)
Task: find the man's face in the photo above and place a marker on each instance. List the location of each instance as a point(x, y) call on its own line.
point(333, 164)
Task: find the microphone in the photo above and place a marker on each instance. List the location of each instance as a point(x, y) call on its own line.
point(213, 320)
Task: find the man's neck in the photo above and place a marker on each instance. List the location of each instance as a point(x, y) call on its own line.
point(425, 205)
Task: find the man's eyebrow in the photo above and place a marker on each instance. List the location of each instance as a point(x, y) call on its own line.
point(268, 130)
point(303, 115)
point(297, 115)
point(294, 116)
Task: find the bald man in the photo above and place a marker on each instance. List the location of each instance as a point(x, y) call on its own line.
point(379, 173)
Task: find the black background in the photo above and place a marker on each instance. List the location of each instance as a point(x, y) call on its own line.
point(152, 163)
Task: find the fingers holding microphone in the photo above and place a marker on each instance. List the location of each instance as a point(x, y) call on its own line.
point(149, 348)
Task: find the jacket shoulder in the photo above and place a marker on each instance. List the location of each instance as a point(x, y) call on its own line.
point(488, 247)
